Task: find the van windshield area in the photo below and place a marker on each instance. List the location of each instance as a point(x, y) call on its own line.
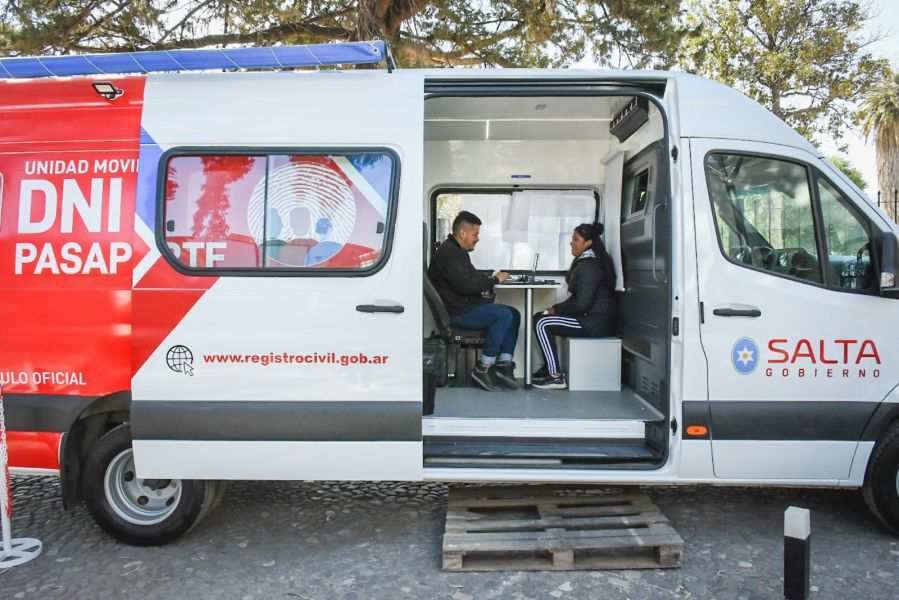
point(768, 218)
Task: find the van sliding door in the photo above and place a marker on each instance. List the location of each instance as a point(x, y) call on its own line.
point(278, 322)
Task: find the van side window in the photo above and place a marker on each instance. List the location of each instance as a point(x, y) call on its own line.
point(518, 224)
point(763, 214)
point(288, 212)
point(636, 194)
point(848, 240)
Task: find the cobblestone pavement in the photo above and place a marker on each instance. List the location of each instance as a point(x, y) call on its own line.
point(291, 540)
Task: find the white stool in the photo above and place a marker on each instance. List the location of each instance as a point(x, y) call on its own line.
point(592, 364)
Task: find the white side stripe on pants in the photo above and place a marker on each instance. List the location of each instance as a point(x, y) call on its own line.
point(545, 339)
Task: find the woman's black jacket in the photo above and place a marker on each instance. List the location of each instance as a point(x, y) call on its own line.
point(591, 285)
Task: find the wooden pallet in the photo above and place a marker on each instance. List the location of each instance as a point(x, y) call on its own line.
point(541, 529)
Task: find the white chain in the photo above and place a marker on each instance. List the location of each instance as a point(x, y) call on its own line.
point(4, 462)
point(12, 551)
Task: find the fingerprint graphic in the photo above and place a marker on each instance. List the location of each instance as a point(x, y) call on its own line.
point(307, 202)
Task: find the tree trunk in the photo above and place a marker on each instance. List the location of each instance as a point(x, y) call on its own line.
point(888, 178)
point(369, 21)
point(776, 108)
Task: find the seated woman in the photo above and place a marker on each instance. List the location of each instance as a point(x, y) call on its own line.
point(589, 311)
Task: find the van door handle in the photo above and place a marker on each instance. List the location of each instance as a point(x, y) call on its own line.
point(654, 277)
point(373, 308)
point(737, 312)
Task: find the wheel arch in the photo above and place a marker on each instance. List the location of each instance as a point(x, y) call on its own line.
point(99, 417)
point(886, 413)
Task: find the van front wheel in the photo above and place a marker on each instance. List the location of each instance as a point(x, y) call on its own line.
point(141, 512)
point(881, 489)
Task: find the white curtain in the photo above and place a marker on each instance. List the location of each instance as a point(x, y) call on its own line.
point(611, 204)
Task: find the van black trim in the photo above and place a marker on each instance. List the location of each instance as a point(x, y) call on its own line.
point(159, 206)
point(282, 421)
point(588, 86)
point(695, 414)
point(886, 414)
point(43, 412)
point(790, 420)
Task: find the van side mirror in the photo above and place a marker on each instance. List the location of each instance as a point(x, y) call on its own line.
point(889, 265)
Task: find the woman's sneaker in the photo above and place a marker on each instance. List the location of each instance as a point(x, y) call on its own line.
point(505, 372)
point(552, 383)
point(486, 379)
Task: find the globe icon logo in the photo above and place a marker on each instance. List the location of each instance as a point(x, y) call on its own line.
point(180, 360)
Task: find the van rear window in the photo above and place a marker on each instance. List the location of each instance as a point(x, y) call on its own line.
point(292, 212)
point(520, 228)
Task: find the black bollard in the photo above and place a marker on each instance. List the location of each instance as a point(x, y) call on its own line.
point(797, 553)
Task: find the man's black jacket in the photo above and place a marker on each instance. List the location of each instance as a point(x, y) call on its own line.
point(591, 285)
point(456, 280)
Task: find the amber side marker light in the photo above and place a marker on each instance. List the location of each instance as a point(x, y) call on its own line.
point(697, 430)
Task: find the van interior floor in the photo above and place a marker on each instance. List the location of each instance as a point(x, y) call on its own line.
point(549, 428)
point(535, 403)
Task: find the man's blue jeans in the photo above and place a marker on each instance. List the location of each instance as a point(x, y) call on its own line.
point(501, 323)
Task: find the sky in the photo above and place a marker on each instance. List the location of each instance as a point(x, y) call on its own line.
point(861, 153)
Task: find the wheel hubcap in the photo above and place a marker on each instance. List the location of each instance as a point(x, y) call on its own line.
point(138, 501)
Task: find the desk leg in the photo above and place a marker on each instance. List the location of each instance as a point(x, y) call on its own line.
point(528, 328)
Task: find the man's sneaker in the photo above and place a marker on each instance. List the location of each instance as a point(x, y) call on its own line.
point(505, 372)
point(552, 383)
point(540, 373)
point(486, 379)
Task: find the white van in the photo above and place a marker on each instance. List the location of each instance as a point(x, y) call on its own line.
point(219, 275)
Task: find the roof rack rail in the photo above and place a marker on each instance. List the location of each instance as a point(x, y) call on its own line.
point(314, 55)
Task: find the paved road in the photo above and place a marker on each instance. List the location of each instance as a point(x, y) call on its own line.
point(357, 541)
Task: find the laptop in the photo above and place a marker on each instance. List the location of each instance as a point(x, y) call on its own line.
point(526, 278)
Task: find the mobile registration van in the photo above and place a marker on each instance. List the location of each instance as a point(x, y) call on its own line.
point(210, 276)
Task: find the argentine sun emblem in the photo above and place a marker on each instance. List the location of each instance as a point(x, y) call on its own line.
point(745, 356)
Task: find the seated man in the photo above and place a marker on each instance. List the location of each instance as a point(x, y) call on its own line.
point(468, 296)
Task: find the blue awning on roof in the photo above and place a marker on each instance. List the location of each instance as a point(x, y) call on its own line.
point(321, 55)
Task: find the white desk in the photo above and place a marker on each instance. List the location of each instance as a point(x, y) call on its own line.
point(528, 289)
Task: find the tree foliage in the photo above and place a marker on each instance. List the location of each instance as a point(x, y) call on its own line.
point(804, 60)
point(849, 170)
point(879, 115)
point(423, 32)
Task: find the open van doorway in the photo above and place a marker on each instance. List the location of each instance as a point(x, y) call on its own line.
point(533, 164)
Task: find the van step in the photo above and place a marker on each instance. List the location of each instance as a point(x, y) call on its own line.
point(547, 529)
point(532, 428)
point(556, 451)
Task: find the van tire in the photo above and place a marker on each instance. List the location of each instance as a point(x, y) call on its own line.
point(132, 510)
point(215, 491)
point(881, 488)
